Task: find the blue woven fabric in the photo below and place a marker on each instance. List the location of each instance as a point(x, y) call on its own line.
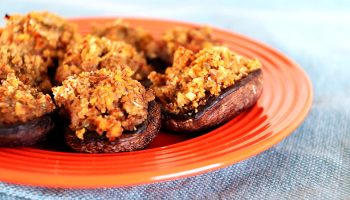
point(312, 163)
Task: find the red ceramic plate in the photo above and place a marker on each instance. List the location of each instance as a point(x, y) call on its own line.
point(285, 102)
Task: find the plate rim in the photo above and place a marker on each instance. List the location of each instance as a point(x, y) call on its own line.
point(257, 148)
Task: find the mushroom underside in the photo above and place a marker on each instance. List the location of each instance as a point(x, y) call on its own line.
point(26, 134)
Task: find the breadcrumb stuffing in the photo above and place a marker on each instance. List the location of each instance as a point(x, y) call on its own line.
point(43, 33)
point(193, 78)
point(30, 68)
point(192, 38)
point(120, 30)
point(103, 101)
point(93, 53)
point(21, 103)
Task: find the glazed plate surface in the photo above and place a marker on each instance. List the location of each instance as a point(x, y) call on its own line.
point(285, 102)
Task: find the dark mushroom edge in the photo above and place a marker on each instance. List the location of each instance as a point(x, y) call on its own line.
point(218, 109)
point(26, 134)
point(128, 141)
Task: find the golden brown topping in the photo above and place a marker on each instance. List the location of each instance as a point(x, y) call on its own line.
point(43, 33)
point(119, 30)
point(94, 53)
point(31, 69)
point(191, 38)
point(21, 103)
point(104, 101)
point(194, 77)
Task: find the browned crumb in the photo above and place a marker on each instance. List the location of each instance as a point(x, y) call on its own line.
point(194, 77)
point(20, 103)
point(44, 33)
point(93, 53)
point(104, 101)
point(192, 38)
point(119, 30)
point(31, 69)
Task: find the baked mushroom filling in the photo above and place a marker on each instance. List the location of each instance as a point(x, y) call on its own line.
point(43, 33)
point(119, 30)
point(104, 101)
point(20, 103)
point(193, 78)
point(93, 53)
point(31, 69)
point(192, 38)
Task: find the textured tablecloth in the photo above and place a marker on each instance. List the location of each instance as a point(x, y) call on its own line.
point(312, 163)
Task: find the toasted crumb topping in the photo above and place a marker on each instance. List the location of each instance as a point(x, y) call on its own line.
point(192, 38)
point(44, 33)
point(20, 103)
point(93, 53)
point(104, 101)
point(31, 69)
point(120, 30)
point(193, 78)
